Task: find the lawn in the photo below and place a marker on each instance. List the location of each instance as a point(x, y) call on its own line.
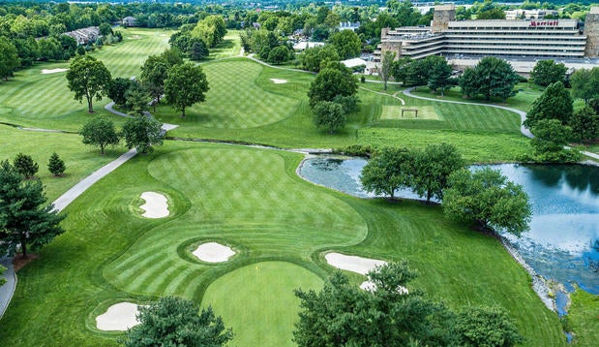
point(33, 99)
point(80, 160)
point(252, 200)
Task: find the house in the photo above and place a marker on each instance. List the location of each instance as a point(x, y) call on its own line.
point(302, 46)
point(348, 26)
point(129, 21)
point(85, 35)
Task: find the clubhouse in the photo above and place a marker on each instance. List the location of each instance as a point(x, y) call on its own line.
point(534, 38)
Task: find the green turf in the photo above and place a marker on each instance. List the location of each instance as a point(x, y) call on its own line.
point(584, 317)
point(80, 160)
point(405, 113)
point(39, 100)
point(263, 313)
point(230, 47)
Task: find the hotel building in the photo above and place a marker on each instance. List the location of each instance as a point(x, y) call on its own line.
point(551, 38)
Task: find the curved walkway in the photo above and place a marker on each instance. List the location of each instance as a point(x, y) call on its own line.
point(8, 289)
point(524, 130)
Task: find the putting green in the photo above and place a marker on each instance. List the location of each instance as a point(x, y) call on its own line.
point(258, 302)
point(424, 112)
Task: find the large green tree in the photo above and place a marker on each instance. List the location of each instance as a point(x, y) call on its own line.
point(585, 83)
point(330, 83)
point(439, 74)
point(88, 78)
point(185, 85)
point(329, 116)
point(117, 89)
point(585, 124)
point(497, 78)
point(99, 131)
point(154, 72)
point(25, 165)
point(488, 199)
point(9, 58)
point(347, 43)
point(547, 72)
point(386, 70)
point(554, 103)
point(142, 133)
point(389, 315)
point(431, 169)
point(313, 59)
point(26, 222)
point(550, 136)
point(388, 170)
point(175, 322)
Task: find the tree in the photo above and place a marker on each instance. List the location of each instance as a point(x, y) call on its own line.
point(56, 165)
point(117, 89)
point(469, 83)
point(198, 49)
point(175, 322)
point(25, 165)
point(89, 78)
point(386, 67)
point(105, 29)
point(142, 133)
point(330, 83)
point(138, 100)
point(154, 72)
point(25, 220)
point(185, 85)
point(554, 103)
point(387, 171)
point(347, 43)
point(585, 83)
point(431, 169)
point(399, 69)
point(2, 279)
point(9, 58)
point(440, 72)
point(342, 314)
point(550, 136)
point(278, 55)
point(497, 78)
point(585, 124)
point(487, 198)
point(486, 327)
point(99, 131)
point(417, 72)
point(329, 116)
point(547, 72)
point(313, 59)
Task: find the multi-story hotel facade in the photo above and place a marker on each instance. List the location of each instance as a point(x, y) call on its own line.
point(547, 38)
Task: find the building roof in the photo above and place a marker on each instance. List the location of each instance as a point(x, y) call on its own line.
point(350, 63)
point(300, 46)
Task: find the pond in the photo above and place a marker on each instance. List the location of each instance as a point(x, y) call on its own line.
point(563, 242)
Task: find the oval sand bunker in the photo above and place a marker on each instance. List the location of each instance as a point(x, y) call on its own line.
point(119, 317)
point(353, 263)
point(213, 252)
point(278, 81)
point(156, 205)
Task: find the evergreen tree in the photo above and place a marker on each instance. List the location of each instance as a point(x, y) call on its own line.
point(439, 74)
point(56, 165)
point(554, 103)
point(585, 124)
point(25, 165)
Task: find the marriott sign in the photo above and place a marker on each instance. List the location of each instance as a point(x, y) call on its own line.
point(537, 23)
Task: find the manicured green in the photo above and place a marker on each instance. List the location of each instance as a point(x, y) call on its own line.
point(230, 47)
point(265, 311)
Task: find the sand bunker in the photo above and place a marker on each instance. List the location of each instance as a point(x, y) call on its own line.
point(156, 205)
point(353, 263)
point(45, 71)
point(278, 81)
point(213, 252)
point(118, 317)
point(371, 287)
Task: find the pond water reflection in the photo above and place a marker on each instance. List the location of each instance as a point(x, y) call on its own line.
point(563, 241)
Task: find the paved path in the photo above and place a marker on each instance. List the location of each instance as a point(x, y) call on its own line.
point(522, 114)
point(8, 289)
